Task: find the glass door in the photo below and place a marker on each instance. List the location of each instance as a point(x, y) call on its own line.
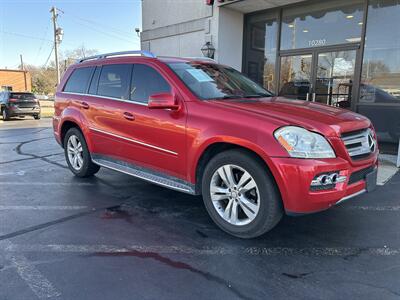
point(295, 79)
point(320, 75)
point(334, 78)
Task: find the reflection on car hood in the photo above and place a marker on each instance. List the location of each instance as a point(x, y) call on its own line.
point(330, 121)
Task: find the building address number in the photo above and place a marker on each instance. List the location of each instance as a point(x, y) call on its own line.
point(316, 43)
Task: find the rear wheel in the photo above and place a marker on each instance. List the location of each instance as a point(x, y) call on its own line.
point(77, 154)
point(240, 195)
point(5, 114)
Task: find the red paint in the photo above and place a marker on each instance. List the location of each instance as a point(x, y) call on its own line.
point(195, 125)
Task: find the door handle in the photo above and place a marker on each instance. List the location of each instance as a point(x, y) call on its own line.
point(84, 105)
point(129, 116)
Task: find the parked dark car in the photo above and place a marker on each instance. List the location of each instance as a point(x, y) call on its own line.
point(15, 104)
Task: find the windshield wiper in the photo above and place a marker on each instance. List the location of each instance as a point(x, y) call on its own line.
point(229, 97)
point(259, 95)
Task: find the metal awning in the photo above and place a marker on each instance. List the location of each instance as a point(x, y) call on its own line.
point(248, 6)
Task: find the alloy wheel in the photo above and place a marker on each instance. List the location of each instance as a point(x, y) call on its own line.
point(75, 152)
point(235, 195)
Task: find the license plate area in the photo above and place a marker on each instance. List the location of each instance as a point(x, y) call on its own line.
point(370, 180)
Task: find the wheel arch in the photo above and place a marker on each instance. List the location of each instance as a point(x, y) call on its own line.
point(67, 125)
point(213, 148)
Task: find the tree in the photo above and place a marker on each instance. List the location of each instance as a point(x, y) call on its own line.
point(44, 79)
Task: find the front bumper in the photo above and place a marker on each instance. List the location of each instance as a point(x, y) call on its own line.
point(294, 177)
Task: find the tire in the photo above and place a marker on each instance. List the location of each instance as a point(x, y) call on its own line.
point(258, 209)
point(36, 117)
point(5, 114)
point(83, 167)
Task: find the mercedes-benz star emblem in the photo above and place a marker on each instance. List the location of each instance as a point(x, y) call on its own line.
point(371, 142)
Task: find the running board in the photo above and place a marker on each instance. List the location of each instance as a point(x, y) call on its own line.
point(145, 174)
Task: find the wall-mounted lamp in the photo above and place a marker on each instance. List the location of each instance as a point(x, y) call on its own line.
point(208, 50)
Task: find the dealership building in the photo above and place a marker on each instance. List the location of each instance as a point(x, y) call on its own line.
point(339, 52)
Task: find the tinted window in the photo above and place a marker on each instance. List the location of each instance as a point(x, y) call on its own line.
point(95, 81)
point(114, 81)
point(79, 80)
point(146, 82)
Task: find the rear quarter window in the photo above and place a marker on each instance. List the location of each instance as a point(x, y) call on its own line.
point(79, 80)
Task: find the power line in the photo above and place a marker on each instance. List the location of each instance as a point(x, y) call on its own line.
point(26, 36)
point(41, 45)
point(106, 33)
point(114, 29)
point(48, 58)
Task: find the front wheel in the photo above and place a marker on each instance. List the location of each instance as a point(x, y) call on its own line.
point(77, 154)
point(240, 195)
point(37, 117)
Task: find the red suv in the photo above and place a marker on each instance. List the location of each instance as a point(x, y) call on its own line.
point(199, 127)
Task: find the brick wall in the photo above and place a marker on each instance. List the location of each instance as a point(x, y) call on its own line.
point(20, 81)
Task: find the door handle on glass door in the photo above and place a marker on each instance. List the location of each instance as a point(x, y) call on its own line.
point(129, 116)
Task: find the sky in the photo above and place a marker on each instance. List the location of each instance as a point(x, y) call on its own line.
point(103, 25)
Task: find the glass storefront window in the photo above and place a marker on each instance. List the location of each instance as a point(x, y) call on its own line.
point(380, 78)
point(322, 24)
point(381, 64)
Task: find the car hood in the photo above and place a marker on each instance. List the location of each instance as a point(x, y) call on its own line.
point(328, 120)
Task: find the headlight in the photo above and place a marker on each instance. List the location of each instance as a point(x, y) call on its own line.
point(301, 143)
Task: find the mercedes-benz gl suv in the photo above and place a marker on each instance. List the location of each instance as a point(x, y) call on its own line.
point(202, 128)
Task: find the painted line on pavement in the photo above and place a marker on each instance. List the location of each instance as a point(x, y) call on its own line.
point(40, 207)
point(48, 183)
point(39, 284)
point(375, 208)
point(262, 251)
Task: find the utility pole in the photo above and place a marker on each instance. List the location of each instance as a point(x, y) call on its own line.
point(23, 69)
point(22, 62)
point(57, 39)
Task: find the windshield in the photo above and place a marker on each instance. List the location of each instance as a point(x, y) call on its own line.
point(213, 81)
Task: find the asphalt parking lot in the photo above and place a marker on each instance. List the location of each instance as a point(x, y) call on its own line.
point(116, 237)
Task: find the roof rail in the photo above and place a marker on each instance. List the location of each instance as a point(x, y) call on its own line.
point(122, 53)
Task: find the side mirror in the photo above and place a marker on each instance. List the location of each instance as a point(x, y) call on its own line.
point(163, 101)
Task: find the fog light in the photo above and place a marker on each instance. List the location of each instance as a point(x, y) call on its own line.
point(327, 181)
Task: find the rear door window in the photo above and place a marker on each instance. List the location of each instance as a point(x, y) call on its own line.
point(114, 81)
point(79, 80)
point(146, 81)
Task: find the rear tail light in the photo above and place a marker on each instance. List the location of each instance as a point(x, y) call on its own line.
point(13, 100)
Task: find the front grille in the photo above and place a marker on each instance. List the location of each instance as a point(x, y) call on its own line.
point(322, 187)
point(360, 175)
point(359, 144)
